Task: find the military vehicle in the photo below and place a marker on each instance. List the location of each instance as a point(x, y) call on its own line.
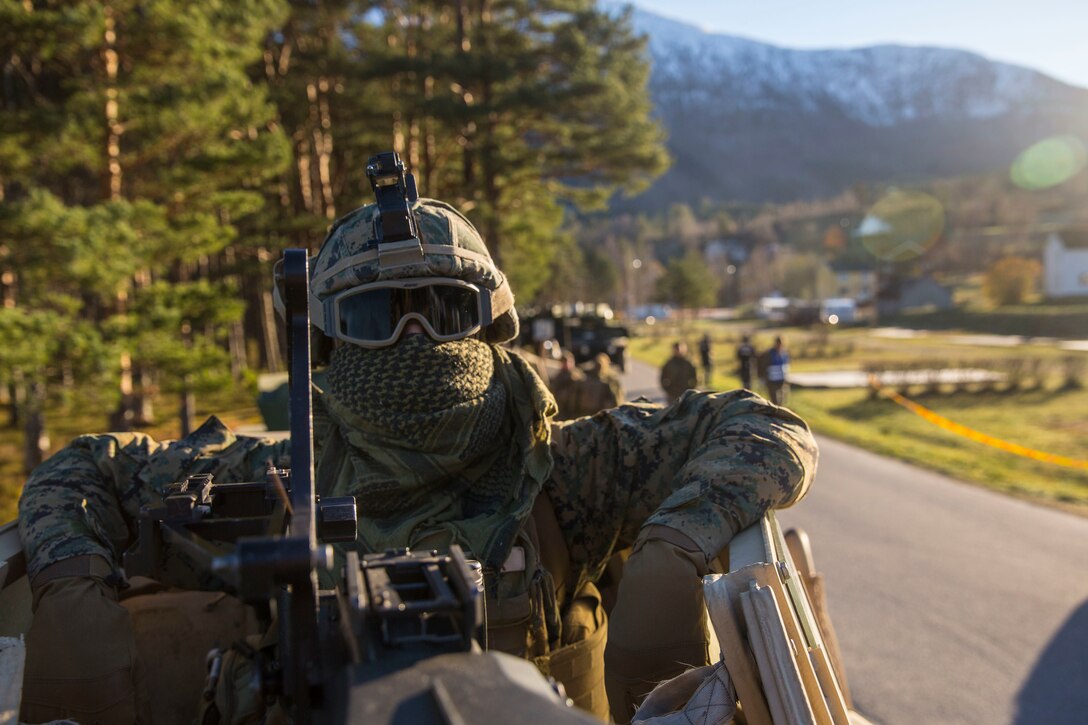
point(586, 330)
point(768, 614)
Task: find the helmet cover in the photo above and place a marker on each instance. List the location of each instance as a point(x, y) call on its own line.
point(448, 246)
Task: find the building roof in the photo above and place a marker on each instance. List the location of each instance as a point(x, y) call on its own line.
point(1074, 238)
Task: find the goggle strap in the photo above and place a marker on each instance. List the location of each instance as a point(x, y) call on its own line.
point(317, 314)
point(485, 308)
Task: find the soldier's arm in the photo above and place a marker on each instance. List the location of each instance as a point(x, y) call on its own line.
point(707, 466)
point(85, 499)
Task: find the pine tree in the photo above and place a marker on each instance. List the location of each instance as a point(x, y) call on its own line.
point(514, 109)
point(158, 146)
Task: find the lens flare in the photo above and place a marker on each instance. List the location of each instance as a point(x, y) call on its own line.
point(901, 225)
point(1049, 162)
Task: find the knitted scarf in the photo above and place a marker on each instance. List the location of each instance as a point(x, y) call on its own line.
point(441, 443)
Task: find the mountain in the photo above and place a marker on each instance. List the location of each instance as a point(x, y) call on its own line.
point(756, 122)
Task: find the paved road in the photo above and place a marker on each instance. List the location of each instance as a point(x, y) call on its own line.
point(952, 604)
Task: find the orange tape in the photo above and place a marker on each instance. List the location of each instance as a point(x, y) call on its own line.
point(989, 440)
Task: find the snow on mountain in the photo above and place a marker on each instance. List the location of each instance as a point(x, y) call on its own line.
point(809, 122)
point(880, 86)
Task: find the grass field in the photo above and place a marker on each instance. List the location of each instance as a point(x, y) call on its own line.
point(1051, 420)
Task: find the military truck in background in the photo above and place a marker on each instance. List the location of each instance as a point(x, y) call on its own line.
point(585, 329)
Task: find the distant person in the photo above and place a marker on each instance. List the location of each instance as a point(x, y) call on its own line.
point(605, 387)
point(746, 362)
point(566, 385)
point(778, 370)
point(678, 374)
point(706, 359)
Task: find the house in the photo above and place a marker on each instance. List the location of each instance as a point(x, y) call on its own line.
point(1065, 264)
point(899, 295)
point(734, 250)
point(852, 279)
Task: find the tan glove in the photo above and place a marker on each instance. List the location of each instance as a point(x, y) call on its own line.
point(658, 627)
point(81, 656)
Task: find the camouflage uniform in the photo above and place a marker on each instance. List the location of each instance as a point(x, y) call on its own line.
point(567, 386)
point(709, 465)
point(675, 483)
point(678, 375)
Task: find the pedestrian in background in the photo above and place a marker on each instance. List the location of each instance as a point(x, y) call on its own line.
point(604, 382)
point(706, 359)
point(778, 369)
point(746, 362)
point(567, 385)
point(678, 374)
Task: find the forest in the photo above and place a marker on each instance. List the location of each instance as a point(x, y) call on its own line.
point(156, 156)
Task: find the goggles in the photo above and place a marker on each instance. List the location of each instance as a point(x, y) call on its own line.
point(375, 314)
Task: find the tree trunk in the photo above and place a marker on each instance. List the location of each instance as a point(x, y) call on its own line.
point(323, 147)
point(305, 172)
point(187, 408)
point(111, 181)
point(488, 166)
point(8, 289)
point(124, 417)
point(143, 409)
point(468, 131)
point(142, 401)
point(236, 337)
point(14, 401)
point(126, 414)
point(236, 342)
point(36, 439)
point(269, 329)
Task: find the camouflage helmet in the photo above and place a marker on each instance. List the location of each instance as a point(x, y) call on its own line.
point(448, 246)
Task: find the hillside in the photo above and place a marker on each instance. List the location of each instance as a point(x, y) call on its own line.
point(755, 122)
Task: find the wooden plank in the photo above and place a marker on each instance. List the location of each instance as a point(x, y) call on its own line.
point(786, 696)
point(738, 658)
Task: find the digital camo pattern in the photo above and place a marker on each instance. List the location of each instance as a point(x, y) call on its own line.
point(708, 466)
point(86, 498)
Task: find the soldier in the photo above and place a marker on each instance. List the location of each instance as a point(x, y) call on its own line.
point(777, 371)
point(746, 360)
point(567, 385)
point(678, 374)
point(605, 387)
point(446, 437)
point(706, 358)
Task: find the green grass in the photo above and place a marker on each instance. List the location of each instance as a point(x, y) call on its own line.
point(1049, 420)
point(87, 412)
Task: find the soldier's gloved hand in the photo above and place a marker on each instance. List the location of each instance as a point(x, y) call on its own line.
point(658, 626)
point(81, 656)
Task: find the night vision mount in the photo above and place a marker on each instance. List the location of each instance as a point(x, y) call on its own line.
point(397, 235)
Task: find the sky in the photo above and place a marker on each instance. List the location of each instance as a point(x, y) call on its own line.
point(1048, 35)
